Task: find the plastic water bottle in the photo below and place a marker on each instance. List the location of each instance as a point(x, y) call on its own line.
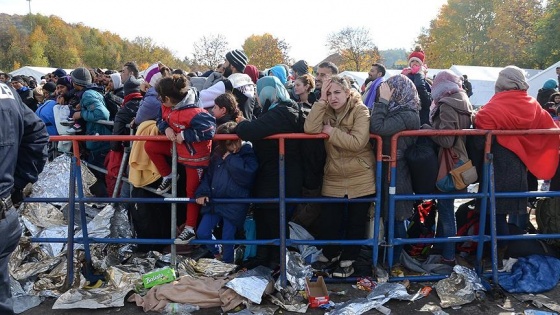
point(179, 309)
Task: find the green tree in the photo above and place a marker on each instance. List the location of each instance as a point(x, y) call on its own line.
point(459, 34)
point(547, 46)
point(37, 41)
point(266, 50)
point(356, 48)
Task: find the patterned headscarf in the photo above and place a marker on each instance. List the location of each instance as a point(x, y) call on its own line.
point(271, 92)
point(445, 83)
point(404, 93)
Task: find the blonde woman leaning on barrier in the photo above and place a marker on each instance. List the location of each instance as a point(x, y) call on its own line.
point(349, 169)
point(511, 108)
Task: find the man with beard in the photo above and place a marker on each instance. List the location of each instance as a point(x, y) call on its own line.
point(324, 73)
point(243, 86)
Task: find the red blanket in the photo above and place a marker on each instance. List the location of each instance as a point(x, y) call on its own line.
point(516, 110)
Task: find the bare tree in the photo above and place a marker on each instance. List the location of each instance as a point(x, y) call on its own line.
point(210, 50)
point(355, 46)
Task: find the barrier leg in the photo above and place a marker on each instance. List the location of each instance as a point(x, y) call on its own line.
point(174, 205)
point(88, 268)
point(493, 233)
point(70, 244)
point(377, 215)
point(484, 187)
point(282, 209)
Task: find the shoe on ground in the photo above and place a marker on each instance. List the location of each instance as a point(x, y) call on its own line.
point(185, 237)
point(74, 129)
point(343, 272)
point(164, 186)
point(323, 263)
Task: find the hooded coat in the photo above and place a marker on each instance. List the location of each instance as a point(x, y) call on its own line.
point(350, 165)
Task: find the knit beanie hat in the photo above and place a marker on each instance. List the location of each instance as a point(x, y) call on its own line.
point(511, 78)
point(550, 84)
point(65, 81)
point(59, 73)
point(116, 78)
point(152, 74)
point(81, 76)
point(301, 67)
point(417, 54)
point(132, 85)
point(49, 87)
point(237, 59)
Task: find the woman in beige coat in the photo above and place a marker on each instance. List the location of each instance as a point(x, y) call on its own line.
point(349, 169)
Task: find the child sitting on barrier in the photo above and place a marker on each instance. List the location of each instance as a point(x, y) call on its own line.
point(192, 128)
point(231, 174)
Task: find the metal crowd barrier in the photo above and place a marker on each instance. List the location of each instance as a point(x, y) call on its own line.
point(486, 193)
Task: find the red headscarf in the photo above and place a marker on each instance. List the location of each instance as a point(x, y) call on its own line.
point(516, 110)
point(252, 72)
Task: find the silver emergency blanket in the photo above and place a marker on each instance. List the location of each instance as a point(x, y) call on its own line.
point(257, 310)
point(54, 181)
point(296, 272)
point(39, 216)
point(357, 306)
point(210, 267)
point(459, 288)
point(91, 299)
point(120, 225)
point(290, 300)
point(91, 211)
point(100, 226)
point(252, 284)
point(22, 299)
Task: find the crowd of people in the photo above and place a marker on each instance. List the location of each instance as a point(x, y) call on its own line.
point(237, 98)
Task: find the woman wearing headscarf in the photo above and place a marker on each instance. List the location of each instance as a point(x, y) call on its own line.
point(280, 115)
point(349, 169)
point(396, 110)
point(511, 108)
point(450, 110)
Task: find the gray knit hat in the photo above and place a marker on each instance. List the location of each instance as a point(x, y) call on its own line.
point(81, 76)
point(238, 59)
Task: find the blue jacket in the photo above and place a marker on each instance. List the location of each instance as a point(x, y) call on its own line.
point(23, 142)
point(229, 178)
point(93, 109)
point(150, 107)
point(45, 112)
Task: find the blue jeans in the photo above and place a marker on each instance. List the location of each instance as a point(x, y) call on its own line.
point(204, 232)
point(11, 232)
point(446, 226)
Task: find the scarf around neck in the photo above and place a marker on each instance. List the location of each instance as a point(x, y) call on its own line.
point(372, 93)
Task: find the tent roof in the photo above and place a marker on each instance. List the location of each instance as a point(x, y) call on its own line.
point(536, 82)
point(36, 72)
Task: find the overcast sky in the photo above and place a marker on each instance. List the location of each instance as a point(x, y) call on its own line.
point(303, 24)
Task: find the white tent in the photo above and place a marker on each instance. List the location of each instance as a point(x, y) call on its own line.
point(483, 80)
point(536, 82)
point(36, 72)
point(360, 77)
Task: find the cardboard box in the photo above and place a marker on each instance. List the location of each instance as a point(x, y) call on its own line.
point(158, 276)
point(317, 292)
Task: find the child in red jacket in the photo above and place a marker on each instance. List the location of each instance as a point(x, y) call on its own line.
point(192, 128)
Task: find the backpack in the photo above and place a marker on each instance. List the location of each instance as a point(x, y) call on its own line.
point(421, 225)
point(467, 217)
point(548, 218)
point(422, 161)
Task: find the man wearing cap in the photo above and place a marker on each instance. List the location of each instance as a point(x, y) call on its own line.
point(23, 154)
point(243, 86)
point(59, 73)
